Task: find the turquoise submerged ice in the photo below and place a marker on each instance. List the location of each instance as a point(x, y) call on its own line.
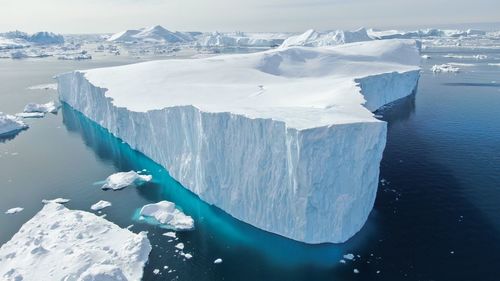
point(284, 140)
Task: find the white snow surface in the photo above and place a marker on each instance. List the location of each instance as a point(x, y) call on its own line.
point(166, 214)
point(62, 244)
point(121, 180)
point(313, 38)
point(155, 33)
point(10, 124)
point(58, 200)
point(100, 205)
point(240, 39)
point(284, 139)
point(50, 86)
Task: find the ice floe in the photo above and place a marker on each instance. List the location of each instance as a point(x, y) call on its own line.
point(10, 124)
point(100, 205)
point(51, 107)
point(217, 261)
point(14, 210)
point(50, 86)
point(166, 214)
point(30, 114)
point(56, 200)
point(121, 180)
point(447, 68)
point(62, 244)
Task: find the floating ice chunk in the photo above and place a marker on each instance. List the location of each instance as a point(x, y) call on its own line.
point(166, 214)
point(30, 114)
point(342, 261)
point(445, 68)
point(356, 271)
point(51, 86)
point(46, 107)
point(100, 205)
point(75, 57)
point(121, 180)
point(188, 256)
point(62, 244)
point(156, 271)
point(19, 54)
point(180, 246)
point(219, 260)
point(170, 234)
point(426, 57)
point(349, 256)
point(14, 210)
point(10, 124)
point(56, 200)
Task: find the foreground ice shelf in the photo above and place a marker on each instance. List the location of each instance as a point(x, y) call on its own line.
point(62, 244)
point(284, 139)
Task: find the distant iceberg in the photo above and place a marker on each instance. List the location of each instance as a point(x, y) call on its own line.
point(153, 34)
point(313, 38)
point(51, 107)
point(62, 244)
point(283, 139)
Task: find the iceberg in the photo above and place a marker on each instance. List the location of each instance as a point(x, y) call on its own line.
point(240, 39)
point(284, 139)
point(165, 213)
point(90, 248)
point(58, 200)
point(10, 124)
point(154, 34)
point(30, 114)
point(312, 38)
point(121, 180)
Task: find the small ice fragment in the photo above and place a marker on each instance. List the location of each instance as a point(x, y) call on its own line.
point(10, 124)
point(342, 261)
point(188, 256)
point(217, 261)
point(46, 107)
point(349, 256)
point(156, 271)
point(180, 246)
point(170, 234)
point(121, 180)
point(52, 86)
point(166, 214)
point(56, 200)
point(14, 210)
point(356, 271)
point(30, 114)
point(100, 205)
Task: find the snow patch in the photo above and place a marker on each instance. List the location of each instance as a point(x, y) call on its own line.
point(14, 210)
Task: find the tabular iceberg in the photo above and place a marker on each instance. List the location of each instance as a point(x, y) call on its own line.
point(284, 139)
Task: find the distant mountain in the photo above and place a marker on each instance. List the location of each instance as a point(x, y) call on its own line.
point(152, 34)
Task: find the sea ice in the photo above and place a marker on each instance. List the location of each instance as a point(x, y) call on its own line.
point(218, 261)
point(14, 210)
point(56, 200)
point(51, 107)
point(62, 244)
point(10, 124)
point(51, 86)
point(30, 114)
point(121, 180)
point(100, 205)
point(180, 246)
point(166, 214)
point(170, 234)
point(445, 68)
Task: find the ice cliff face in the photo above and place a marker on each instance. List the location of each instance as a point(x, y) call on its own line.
point(278, 139)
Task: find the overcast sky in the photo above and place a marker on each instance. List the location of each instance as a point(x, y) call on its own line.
point(100, 16)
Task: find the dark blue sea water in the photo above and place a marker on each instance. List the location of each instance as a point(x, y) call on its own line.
point(436, 216)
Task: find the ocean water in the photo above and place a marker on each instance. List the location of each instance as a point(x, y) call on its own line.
point(436, 216)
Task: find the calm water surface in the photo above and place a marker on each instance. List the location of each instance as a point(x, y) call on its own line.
point(436, 216)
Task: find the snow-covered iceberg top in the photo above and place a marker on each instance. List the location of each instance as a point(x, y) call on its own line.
point(241, 39)
point(10, 124)
point(166, 214)
point(152, 34)
point(313, 38)
point(284, 139)
point(62, 244)
point(271, 84)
